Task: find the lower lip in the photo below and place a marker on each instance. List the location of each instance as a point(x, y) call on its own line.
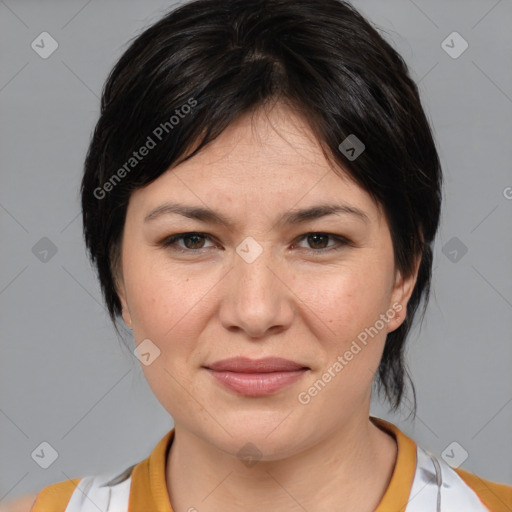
point(256, 384)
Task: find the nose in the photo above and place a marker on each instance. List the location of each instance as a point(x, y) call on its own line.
point(258, 299)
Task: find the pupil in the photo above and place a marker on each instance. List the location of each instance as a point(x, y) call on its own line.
point(192, 237)
point(316, 237)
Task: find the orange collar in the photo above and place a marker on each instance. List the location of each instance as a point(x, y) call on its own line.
point(149, 488)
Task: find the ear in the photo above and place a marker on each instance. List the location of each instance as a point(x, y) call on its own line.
point(400, 295)
point(121, 292)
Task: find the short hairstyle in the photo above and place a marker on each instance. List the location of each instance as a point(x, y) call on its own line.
point(184, 79)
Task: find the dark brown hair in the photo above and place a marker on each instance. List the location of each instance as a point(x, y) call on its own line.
point(223, 58)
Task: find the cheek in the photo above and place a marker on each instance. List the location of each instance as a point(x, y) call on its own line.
point(166, 302)
point(169, 307)
point(158, 304)
point(346, 310)
point(348, 300)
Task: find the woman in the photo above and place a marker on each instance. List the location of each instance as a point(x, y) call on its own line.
point(260, 198)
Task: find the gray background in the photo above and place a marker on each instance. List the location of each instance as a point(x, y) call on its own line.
point(64, 377)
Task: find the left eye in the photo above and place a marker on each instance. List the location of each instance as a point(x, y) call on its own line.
point(316, 239)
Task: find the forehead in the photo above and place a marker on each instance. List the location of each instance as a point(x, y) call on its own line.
point(265, 160)
point(269, 140)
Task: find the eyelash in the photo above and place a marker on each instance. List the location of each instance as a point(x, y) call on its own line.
point(170, 242)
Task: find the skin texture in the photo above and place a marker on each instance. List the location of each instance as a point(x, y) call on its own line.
point(20, 504)
point(291, 302)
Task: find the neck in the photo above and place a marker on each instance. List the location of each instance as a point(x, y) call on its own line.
point(348, 470)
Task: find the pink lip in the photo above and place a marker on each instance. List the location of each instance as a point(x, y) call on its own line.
point(256, 377)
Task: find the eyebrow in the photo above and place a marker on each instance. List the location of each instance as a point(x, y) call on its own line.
point(292, 217)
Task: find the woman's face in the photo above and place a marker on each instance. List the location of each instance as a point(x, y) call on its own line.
point(258, 287)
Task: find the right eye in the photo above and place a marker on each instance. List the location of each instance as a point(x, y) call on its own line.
point(190, 240)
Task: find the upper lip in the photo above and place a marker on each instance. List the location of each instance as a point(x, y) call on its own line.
point(247, 365)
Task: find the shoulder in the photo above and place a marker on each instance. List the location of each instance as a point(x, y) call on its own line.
point(454, 485)
point(495, 496)
point(459, 489)
point(21, 504)
point(108, 491)
point(55, 497)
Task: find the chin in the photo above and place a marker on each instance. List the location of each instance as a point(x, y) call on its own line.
point(256, 438)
